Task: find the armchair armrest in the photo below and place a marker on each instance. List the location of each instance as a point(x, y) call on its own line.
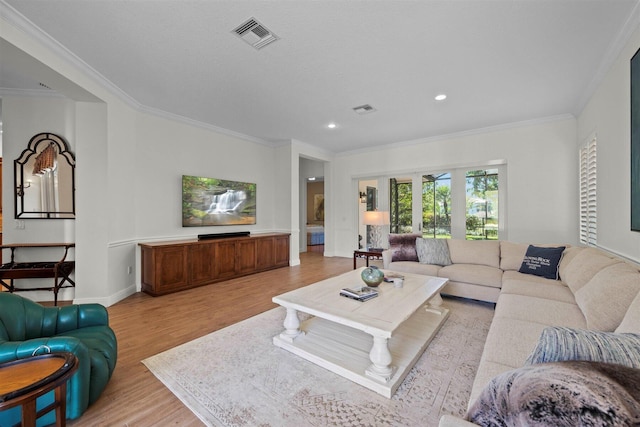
point(76, 316)
point(14, 350)
point(386, 258)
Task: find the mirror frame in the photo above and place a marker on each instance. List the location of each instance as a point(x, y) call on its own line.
point(43, 139)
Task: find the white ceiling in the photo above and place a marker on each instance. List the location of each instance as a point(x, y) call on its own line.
point(499, 61)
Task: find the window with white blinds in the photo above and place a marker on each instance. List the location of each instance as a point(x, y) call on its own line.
point(588, 203)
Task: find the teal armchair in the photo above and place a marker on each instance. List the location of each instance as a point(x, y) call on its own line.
point(28, 328)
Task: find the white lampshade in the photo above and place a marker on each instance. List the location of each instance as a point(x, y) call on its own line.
point(376, 218)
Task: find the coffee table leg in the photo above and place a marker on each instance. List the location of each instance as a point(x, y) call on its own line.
point(380, 356)
point(434, 305)
point(291, 326)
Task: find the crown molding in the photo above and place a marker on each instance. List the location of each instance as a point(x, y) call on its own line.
point(614, 50)
point(196, 123)
point(8, 13)
point(461, 134)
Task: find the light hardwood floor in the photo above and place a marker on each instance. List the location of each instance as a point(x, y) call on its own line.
point(146, 325)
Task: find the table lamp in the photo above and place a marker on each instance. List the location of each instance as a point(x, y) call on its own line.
point(376, 219)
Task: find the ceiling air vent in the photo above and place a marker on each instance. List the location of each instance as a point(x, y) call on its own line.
point(254, 33)
point(364, 109)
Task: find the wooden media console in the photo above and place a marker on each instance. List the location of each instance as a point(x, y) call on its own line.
point(177, 265)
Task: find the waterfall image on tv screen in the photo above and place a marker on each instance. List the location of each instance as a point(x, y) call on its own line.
point(211, 201)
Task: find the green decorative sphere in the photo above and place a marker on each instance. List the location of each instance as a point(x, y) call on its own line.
point(372, 276)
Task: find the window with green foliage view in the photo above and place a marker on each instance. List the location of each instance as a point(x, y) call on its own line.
point(482, 204)
point(455, 203)
point(401, 192)
point(436, 206)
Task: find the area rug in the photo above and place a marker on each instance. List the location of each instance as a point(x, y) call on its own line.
point(237, 377)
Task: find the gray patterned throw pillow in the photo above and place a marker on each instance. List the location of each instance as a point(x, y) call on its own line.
point(433, 251)
point(558, 343)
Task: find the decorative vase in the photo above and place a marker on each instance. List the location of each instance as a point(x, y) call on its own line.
point(372, 276)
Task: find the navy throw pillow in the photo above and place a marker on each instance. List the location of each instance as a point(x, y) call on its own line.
point(542, 262)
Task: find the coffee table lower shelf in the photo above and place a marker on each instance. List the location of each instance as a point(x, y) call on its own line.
point(345, 350)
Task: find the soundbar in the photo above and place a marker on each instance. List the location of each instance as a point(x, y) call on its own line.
point(223, 235)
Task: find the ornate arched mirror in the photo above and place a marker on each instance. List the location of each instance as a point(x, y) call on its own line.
point(45, 179)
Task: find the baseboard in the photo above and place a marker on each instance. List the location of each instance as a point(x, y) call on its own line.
point(109, 300)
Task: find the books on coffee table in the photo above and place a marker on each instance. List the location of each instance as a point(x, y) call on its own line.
point(364, 293)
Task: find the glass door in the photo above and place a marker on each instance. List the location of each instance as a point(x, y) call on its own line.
point(401, 205)
point(482, 204)
point(436, 206)
point(463, 203)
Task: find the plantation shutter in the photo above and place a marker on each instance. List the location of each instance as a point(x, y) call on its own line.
point(588, 207)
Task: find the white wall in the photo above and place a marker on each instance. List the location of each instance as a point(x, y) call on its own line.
point(542, 173)
point(607, 114)
point(166, 150)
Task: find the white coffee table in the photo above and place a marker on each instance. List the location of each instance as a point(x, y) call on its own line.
point(373, 343)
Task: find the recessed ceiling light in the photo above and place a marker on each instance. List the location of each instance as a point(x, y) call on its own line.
point(332, 125)
point(441, 97)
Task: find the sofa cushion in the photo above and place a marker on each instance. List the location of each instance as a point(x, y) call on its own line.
point(403, 247)
point(530, 278)
point(471, 273)
point(541, 288)
point(631, 320)
point(584, 266)
point(542, 262)
point(605, 299)
point(481, 252)
point(511, 341)
point(539, 310)
point(511, 255)
point(557, 344)
point(433, 251)
point(414, 267)
point(561, 394)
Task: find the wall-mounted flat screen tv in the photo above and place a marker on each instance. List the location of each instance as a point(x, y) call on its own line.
point(211, 201)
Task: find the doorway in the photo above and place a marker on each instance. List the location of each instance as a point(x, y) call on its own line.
point(312, 206)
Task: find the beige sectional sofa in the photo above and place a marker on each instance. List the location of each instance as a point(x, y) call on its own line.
point(595, 291)
point(474, 273)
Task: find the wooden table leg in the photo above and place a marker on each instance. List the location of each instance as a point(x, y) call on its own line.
point(61, 408)
point(29, 413)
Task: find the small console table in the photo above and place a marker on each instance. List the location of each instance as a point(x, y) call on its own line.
point(367, 254)
point(24, 380)
point(58, 270)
